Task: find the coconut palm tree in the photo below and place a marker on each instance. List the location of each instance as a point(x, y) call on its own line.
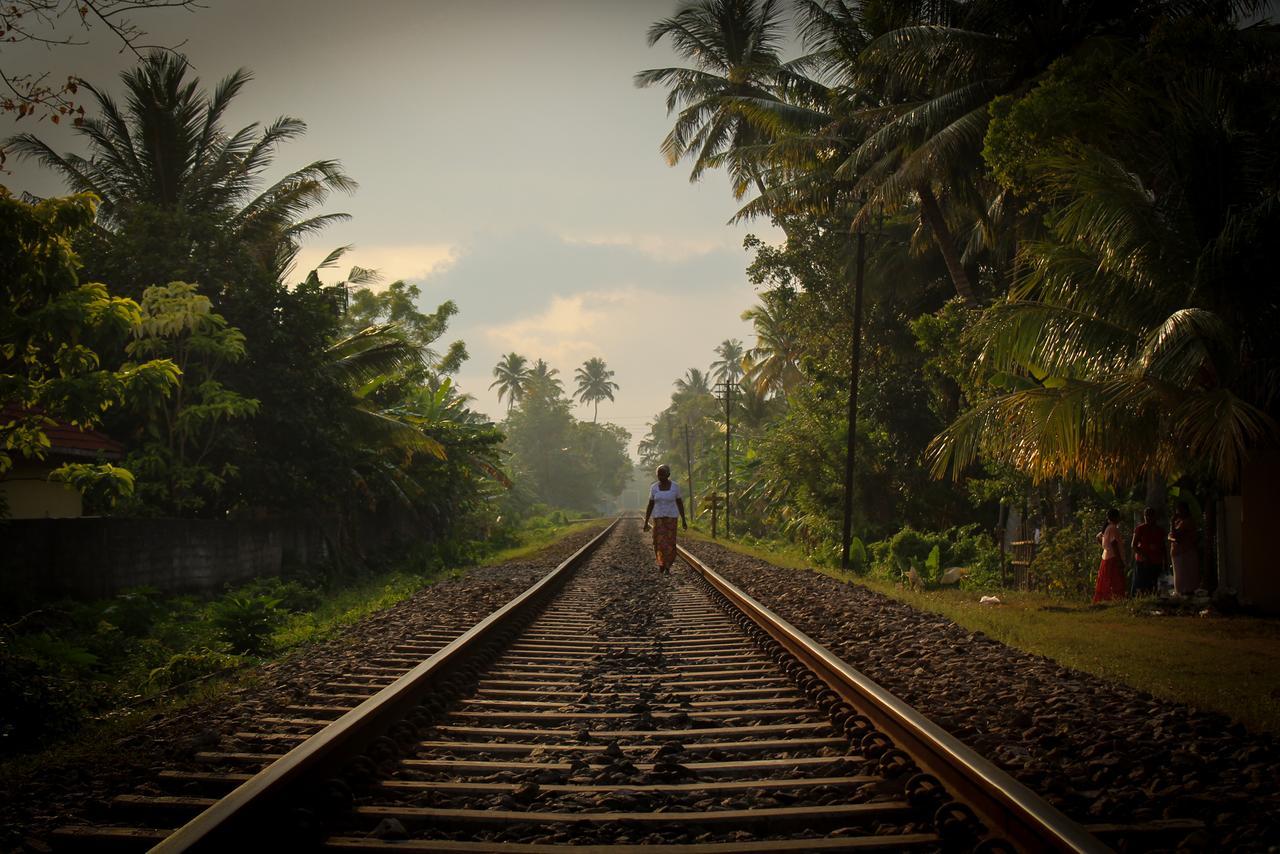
point(168, 149)
point(543, 381)
point(733, 47)
point(1138, 342)
point(694, 383)
point(362, 363)
point(511, 378)
point(728, 368)
point(773, 364)
point(595, 383)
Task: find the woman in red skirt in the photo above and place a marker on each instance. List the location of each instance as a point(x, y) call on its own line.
point(665, 506)
point(1111, 571)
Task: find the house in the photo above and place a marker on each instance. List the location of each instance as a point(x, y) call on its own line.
point(26, 488)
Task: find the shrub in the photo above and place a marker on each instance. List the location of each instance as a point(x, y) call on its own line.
point(135, 611)
point(188, 666)
point(1068, 558)
point(933, 563)
point(245, 622)
point(932, 552)
point(909, 547)
point(857, 556)
point(39, 703)
point(292, 596)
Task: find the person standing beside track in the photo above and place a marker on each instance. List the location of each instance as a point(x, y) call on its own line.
point(664, 505)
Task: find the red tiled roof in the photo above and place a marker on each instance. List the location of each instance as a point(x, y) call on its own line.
point(71, 441)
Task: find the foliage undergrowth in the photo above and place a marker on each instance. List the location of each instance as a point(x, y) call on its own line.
point(67, 665)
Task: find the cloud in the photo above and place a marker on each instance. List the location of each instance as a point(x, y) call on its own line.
point(499, 278)
point(649, 338)
point(409, 261)
point(660, 247)
point(569, 331)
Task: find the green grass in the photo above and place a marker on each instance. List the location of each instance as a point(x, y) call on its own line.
point(1226, 664)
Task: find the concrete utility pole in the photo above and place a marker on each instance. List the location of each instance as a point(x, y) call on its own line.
point(726, 389)
point(688, 458)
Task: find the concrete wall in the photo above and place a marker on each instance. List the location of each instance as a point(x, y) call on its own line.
point(30, 495)
point(93, 556)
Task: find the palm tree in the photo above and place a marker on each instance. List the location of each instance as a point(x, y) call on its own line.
point(511, 378)
point(936, 76)
point(773, 364)
point(733, 46)
point(595, 383)
point(543, 381)
point(363, 363)
point(693, 384)
point(728, 368)
point(1137, 342)
point(168, 149)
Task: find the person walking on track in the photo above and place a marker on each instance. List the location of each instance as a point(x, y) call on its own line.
point(665, 505)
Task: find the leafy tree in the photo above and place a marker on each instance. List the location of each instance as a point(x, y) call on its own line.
point(511, 378)
point(184, 432)
point(595, 383)
point(398, 304)
point(168, 152)
point(566, 463)
point(56, 328)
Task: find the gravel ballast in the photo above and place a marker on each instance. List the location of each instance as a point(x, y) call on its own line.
point(1098, 750)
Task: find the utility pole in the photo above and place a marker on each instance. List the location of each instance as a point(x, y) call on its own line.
point(715, 507)
point(727, 388)
point(688, 457)
point(855, 361)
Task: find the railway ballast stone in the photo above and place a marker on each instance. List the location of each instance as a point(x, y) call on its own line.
point(1098, 750)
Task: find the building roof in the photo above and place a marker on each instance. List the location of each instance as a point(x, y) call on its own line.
point(70, 441)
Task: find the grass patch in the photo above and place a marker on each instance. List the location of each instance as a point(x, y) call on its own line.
point(1226, 664)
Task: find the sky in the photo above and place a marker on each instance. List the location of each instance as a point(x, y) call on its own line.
point(506, 161)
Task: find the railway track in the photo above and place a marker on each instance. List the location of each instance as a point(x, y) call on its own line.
point(605, 707)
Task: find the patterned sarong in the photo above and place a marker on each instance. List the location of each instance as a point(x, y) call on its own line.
point(664, 540)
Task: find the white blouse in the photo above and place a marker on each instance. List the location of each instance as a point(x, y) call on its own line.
point(664, 501)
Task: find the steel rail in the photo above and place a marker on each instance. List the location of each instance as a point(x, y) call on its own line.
point(323, 754)
point(1008, 808)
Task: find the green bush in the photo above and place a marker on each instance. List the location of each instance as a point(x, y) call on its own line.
point(188, 666)
point(39, 703)
point(292, 595)
point(135, 611)
point(1067, 561)
point(932, 552)
point(246, 622)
